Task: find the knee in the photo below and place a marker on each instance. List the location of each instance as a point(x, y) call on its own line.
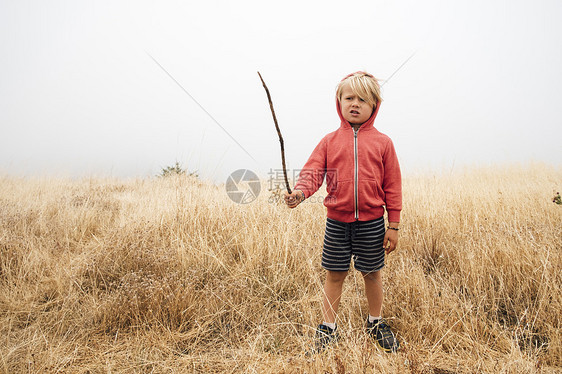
point(372, 277)
point(336, 276)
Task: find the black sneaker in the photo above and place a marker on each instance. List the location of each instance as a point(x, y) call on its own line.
point(382, 335)
point(324, 336)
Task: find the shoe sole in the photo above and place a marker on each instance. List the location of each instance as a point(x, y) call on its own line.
point(387, 350)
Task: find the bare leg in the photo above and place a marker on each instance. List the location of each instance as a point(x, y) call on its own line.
point(373, 290)
point(332, 294)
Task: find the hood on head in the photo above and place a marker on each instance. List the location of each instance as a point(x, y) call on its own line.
point(370, 121)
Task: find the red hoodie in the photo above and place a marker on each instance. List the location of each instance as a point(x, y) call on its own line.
point(362, 173)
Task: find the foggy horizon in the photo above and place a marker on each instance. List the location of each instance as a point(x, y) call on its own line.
point(93, 89)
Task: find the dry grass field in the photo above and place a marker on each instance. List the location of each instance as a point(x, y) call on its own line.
point(167, 275)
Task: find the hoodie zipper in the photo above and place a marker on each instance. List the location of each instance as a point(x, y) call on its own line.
point(356, 171)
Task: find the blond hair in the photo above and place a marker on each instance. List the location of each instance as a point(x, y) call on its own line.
point(363, 85)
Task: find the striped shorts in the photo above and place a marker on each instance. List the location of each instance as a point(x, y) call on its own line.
point(362, 240)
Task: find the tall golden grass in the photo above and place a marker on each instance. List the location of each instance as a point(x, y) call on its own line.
point(169, 275)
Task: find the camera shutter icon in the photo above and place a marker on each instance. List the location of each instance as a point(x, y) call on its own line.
point(243, 186)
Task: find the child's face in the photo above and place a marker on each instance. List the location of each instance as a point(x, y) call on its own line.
point(354, 109)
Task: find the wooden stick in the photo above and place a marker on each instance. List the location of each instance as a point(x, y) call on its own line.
point(278, 133)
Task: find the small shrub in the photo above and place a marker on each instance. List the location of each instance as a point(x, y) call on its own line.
point(176, 170)
point(557, 199)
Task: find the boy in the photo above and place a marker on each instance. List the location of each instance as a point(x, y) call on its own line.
point(363, 178)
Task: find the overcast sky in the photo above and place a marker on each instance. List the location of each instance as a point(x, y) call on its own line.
point(81, 95)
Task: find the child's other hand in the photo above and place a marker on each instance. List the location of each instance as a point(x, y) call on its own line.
point(390, 240)
point(294, 198)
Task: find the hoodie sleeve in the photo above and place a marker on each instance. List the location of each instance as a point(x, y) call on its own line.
point(313, 171)
point(392, 183)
